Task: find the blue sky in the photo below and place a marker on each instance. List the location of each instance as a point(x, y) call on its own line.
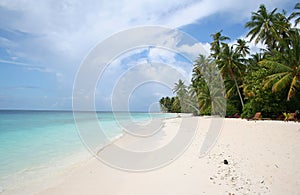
point(42, 44)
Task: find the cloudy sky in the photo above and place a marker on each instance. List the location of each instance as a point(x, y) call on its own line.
point(44, 43)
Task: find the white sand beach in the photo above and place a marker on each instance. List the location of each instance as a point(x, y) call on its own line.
point(263, 158)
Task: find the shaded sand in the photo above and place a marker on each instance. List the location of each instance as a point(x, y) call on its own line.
point(263, 158)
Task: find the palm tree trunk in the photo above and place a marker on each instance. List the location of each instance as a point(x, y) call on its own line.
point(240, 95)
point(237, 87)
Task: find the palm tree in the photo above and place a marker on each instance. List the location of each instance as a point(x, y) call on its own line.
point(286, 66)
point(211, 92)
point(168, 103)
point(198, 86)
point(255, 59)
point(295, 14)
point(263, 26)
point(200, 67)
point(192, 100)
point(242, 47)
point(162, 103)
point(207, 86)
point(180, 89)
point(182, 93)
point(230, 65)
point(204, 99)
point(175, 107)
point(218, 38)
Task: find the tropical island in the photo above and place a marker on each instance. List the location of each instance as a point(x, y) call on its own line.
point(244, 157)
point(267, 81)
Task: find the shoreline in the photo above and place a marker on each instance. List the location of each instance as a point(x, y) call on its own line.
point(262, 156)
point(25, 178)
point(123, 134)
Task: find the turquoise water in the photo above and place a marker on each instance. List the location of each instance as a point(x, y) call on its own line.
point(35, 139)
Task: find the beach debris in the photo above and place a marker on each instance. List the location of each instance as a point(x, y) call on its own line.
point(276, 166)
point(225, 162)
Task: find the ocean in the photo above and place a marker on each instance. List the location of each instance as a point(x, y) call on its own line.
point(35, 142)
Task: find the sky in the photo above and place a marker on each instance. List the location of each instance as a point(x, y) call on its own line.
point(44, 43)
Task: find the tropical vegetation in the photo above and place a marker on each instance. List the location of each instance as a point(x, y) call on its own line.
point(267, 81)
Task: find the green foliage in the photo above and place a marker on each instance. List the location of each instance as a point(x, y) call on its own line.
point(287, 66)
point(273, 80)
point(176, 106)
point(261, 99)
point(208, 86)
point(267, 27)
point(229, 62)
point(249, 110)
point(168, 104)
point(266, 82)
point(231, 109)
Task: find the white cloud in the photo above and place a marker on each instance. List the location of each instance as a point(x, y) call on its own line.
point(162, 55)
point(70, 28)
point(57, 35)
point(6, 42)
point(206, 47)
point(140, 75)
point(255, 48)
point(158, 66)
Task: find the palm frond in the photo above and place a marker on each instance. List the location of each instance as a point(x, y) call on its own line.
point(282, 83)
point(273, 63)
point(293, 88)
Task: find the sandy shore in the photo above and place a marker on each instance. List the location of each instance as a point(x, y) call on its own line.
point(263, 158)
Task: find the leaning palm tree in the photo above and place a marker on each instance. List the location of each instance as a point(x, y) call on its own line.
point(286, 66)
point(231, 66)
